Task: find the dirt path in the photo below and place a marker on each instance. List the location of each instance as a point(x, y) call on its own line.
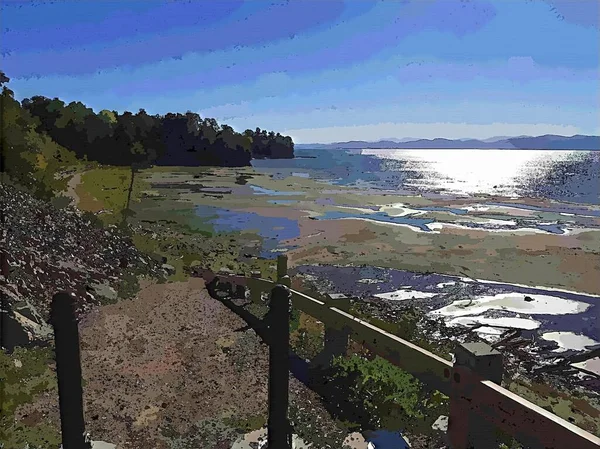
point(71, 186)
point(170, 363)
point(174, 368)
point(171, 355)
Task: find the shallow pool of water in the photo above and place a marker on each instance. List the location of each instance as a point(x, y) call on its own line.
point(273, 230)
point(420, 223)
point(263, 191)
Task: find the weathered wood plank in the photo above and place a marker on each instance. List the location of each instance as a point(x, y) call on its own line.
point(528, 423)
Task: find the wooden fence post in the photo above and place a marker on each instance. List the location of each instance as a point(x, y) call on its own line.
point(255, 292)
point(335, 345)
point(68, 371)
point(282, 270)
point(466, 429)
point(278, 427)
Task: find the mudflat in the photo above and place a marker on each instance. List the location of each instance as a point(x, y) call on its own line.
point(494, 238)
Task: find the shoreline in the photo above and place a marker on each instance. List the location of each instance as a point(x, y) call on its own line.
point(561, 261)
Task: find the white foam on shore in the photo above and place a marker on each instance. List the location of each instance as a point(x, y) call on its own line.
point(486, 330)
point(574, 231)
point(503, 322)
point(370, 281)
point(438, 226)
point(400, 295)
point(513, 302)
point(384, 223)
point(445, 284)
point(499, 222)
point(359, 209)
point(476, 208)
point(590, 365)
point(400, 210)
point(569, 341)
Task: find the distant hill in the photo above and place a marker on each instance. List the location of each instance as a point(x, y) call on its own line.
point(546, 142)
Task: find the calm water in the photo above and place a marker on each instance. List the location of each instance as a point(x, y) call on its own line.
point(571, 176)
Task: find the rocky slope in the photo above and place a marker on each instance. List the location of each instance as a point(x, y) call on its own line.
point(45, 250)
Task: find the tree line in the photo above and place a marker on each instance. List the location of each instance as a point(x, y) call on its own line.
point(39, 132)
point(172, 139)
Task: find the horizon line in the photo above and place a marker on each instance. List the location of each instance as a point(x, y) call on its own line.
point(417, 139)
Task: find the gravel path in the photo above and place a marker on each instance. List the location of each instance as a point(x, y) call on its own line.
point(173, 368)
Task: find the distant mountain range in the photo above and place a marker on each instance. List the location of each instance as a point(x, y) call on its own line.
point(546, 142)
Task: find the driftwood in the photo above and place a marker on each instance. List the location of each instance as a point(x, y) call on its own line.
point(510, 335)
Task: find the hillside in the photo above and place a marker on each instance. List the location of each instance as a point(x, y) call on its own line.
point(547, 142)
point(45, 250)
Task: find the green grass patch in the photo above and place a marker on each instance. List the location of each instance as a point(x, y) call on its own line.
point(24, 374)
point(406, 327)
point(106, 188)
point(127, 288)
point(247, 424)
point(375, 394)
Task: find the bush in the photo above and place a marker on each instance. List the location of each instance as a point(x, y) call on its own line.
point(374, 394)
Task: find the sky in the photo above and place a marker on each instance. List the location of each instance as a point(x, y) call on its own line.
point(320, 71)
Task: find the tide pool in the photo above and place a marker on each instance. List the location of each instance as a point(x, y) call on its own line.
point(273, 230)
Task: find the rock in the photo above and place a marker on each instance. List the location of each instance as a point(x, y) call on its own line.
point(258, 439)
point(529, 298)
point(104, 290)
point(38, 331)
point(441, 424)
point(170, 269)
point(59, 250)
point(356, 441)
point(103, 445)
point(13, 333)
point(335, 296)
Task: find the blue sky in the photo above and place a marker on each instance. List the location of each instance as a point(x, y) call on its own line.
point(320, 71)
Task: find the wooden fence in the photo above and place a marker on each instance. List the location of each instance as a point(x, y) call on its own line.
point(478, 404)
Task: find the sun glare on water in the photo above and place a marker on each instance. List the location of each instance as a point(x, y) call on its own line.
point(473, 171)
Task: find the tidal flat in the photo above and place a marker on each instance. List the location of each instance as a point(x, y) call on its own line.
point(532, 242)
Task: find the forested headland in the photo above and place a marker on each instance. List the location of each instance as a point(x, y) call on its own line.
point(40, 135)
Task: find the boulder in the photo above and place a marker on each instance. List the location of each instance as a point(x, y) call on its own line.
point(170, 269)
point(356, 441)
point(441, 424)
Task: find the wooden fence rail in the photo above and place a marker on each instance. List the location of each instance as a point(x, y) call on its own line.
point(478, 404)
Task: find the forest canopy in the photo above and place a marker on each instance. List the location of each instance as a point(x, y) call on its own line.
point(187, 139)
point(42, 128)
